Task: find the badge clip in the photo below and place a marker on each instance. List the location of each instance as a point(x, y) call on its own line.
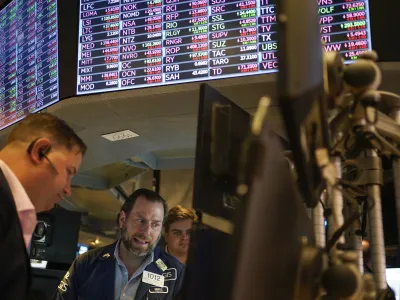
point(161, 265)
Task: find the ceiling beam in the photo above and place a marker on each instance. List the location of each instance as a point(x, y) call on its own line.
point(176, 163)
point(120, 194)
point(120, 178)
point(150, 159)
point(90, 182)
point(98, 226)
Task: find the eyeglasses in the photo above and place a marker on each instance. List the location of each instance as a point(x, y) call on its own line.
point(42, 154)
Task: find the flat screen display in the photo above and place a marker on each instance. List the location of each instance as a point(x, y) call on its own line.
point(126, 44)
point(81, 249)
point(28, 58)
point(393, 280)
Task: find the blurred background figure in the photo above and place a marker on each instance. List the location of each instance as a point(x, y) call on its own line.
point(178, 228)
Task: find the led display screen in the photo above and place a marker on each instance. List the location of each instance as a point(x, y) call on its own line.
point(28, 58)
point(126, 44)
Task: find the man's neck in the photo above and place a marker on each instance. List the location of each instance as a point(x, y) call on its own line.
point(18, 166)
point(14, 163)
point(182, 257)
point(132, 262)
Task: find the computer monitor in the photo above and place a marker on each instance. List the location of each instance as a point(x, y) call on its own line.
point(55, 237)
point(276, 220)
point(81, 249)
point(393, 280)
point(277, 227)
point(222, 127)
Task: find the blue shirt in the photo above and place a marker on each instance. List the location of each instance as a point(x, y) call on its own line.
point(126, 288)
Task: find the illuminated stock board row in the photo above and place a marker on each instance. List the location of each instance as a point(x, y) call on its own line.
point(130, 44)
point(28, 58)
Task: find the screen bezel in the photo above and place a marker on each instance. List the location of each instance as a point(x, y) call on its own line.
point(383, 26)
point(68, 25)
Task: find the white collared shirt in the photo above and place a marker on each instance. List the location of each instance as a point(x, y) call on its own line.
point(26, 210)
point(125, 287)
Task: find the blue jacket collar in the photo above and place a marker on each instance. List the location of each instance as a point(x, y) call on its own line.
point(107, 269)
point(106, 272)
point(107, 252)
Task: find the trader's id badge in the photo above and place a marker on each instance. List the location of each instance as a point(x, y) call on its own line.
point(153, 279)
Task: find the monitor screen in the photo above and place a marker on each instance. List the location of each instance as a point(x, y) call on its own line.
point(125, 44)
point(39, 264)
point(393, 280)
point(28, 58)
point(81, 249)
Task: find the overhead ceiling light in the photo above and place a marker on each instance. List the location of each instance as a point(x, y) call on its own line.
point(120, 135)
point(95, 242)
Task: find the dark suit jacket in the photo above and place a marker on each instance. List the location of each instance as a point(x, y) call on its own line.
point(92, 277)
point(14, 265)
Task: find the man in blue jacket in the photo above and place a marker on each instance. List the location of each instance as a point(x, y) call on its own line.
point(131, 268)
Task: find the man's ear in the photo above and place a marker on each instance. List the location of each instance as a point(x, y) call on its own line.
point(122, 219)
point(38, 148)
